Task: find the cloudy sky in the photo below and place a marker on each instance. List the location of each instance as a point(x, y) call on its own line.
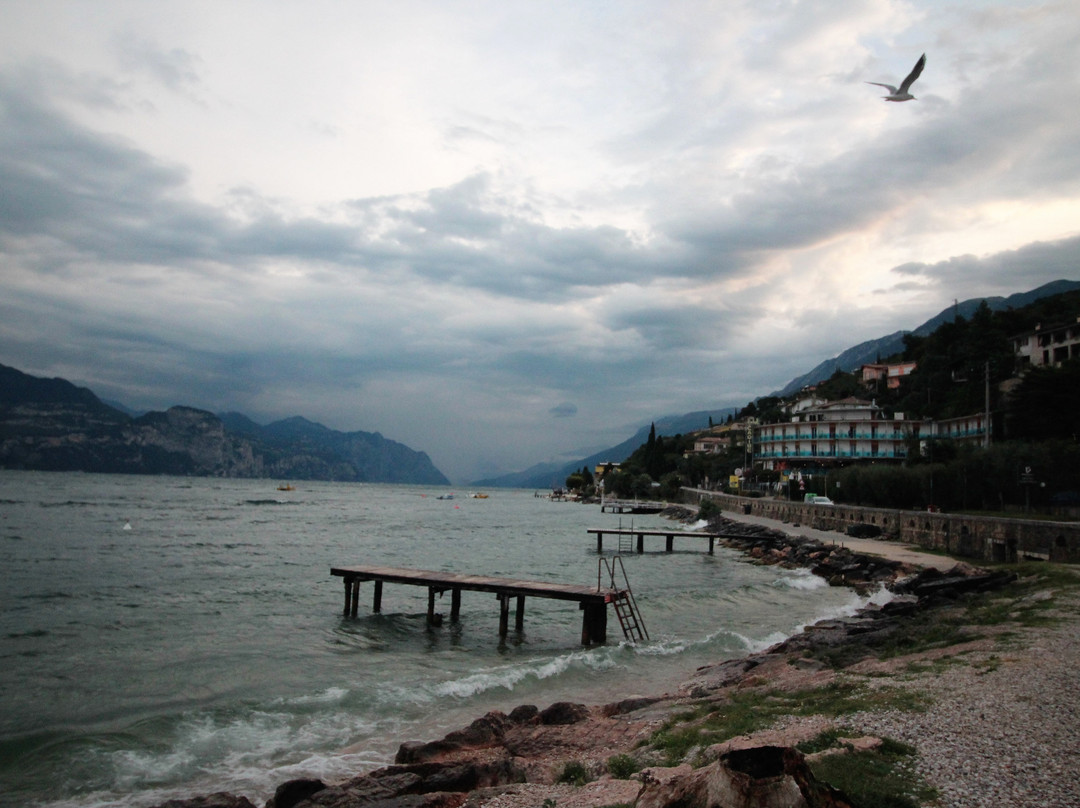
point(505, 231)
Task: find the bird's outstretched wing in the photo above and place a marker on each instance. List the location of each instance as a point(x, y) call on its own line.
point(914, 74)
point(888, 87)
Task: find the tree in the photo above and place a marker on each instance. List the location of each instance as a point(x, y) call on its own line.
point(642, 485)
point(670, 485)
point(1045, 404)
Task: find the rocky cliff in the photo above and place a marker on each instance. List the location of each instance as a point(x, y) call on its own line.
point(52, 425)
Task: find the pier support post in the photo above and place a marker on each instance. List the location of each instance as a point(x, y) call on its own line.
point(599, 542)
point(640, 543)
point(504, 614)
point(355, 597)
point(670, 542)
point(455, 604)
point(519, 615)
point(431, 605)
point(712, 541)
point(376, 603)
point(348, 596)
point(593, 623)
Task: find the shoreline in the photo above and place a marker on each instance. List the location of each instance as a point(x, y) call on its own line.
point(486, 763)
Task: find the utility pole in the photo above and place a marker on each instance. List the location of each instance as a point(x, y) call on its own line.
point(986, 434)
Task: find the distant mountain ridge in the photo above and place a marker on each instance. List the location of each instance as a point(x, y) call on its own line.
point(53, 425)
point(547, 475)
point(552, 475)
point(870, 351)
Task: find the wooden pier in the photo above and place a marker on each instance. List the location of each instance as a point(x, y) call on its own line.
point(591, 600)
point(669, 535)
point(626, 506)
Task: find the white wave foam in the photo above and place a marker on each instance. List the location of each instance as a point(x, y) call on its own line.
point(754, 646)
point(672, 646)
point(508, 677)
point(801, 579)
point(331, 695)
point(856, 602)
point(669, 646)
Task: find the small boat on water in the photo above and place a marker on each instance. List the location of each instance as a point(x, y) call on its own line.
point(445, 496)
point(479, 496)
point(286, 487)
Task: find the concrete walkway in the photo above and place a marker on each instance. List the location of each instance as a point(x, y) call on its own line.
point(892, 550)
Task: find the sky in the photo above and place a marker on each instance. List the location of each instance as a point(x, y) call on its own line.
point(505, 232)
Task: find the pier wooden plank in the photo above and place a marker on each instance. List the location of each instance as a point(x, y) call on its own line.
point(669, 536)
point(476, 583)
point(590, 599)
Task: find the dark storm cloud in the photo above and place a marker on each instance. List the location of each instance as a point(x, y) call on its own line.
point(1008, 269)
point(108, 201)
point(565, 410)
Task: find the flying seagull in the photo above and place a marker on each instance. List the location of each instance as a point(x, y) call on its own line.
point(902, 93)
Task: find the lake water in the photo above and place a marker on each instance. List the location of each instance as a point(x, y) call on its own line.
point(163, 637)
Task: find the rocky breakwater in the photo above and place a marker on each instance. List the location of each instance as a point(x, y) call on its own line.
point(835, 563)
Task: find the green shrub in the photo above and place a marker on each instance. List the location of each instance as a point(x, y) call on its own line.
point(622, 767)
point(574, 774)
point(708, 508)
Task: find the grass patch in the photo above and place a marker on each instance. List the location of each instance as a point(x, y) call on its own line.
point(1028, 602)
point(748, 712)
point(829, 739)
point(935, 666)
point(883, 778)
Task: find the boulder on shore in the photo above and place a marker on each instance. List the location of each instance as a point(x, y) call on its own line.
point(762, 776)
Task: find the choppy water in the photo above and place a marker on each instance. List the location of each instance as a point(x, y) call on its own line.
point(164, 636)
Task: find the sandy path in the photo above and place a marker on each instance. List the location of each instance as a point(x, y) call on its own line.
point(892, 550)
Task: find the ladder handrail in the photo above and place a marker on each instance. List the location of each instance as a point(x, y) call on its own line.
point(601, 564)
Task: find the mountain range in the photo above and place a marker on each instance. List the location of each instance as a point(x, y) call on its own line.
point(875, 350)
point(53, 425)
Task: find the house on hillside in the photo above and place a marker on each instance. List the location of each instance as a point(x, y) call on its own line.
point(1048, 345)
point(872, 374)
point(733, 436)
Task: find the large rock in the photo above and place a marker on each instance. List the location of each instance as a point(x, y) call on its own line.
point(760, 777)
point(481, 733)
point(221, 799)
point(424, 784)
point(564, 712)
point(293, 792)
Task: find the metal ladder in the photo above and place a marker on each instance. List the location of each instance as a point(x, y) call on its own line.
point(626, 541)
point(622, 599)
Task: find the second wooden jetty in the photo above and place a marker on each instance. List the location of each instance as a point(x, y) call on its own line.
point(591, 600)
point(639, 535)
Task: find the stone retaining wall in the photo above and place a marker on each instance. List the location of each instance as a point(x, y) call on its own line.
point(985, 538)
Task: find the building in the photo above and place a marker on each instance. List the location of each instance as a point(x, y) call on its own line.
point(872, 374)
point(1048, 345)
point(966, 429)
point(835, 433)
point(723, 438)
point(710, 444)
point(603, 468)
